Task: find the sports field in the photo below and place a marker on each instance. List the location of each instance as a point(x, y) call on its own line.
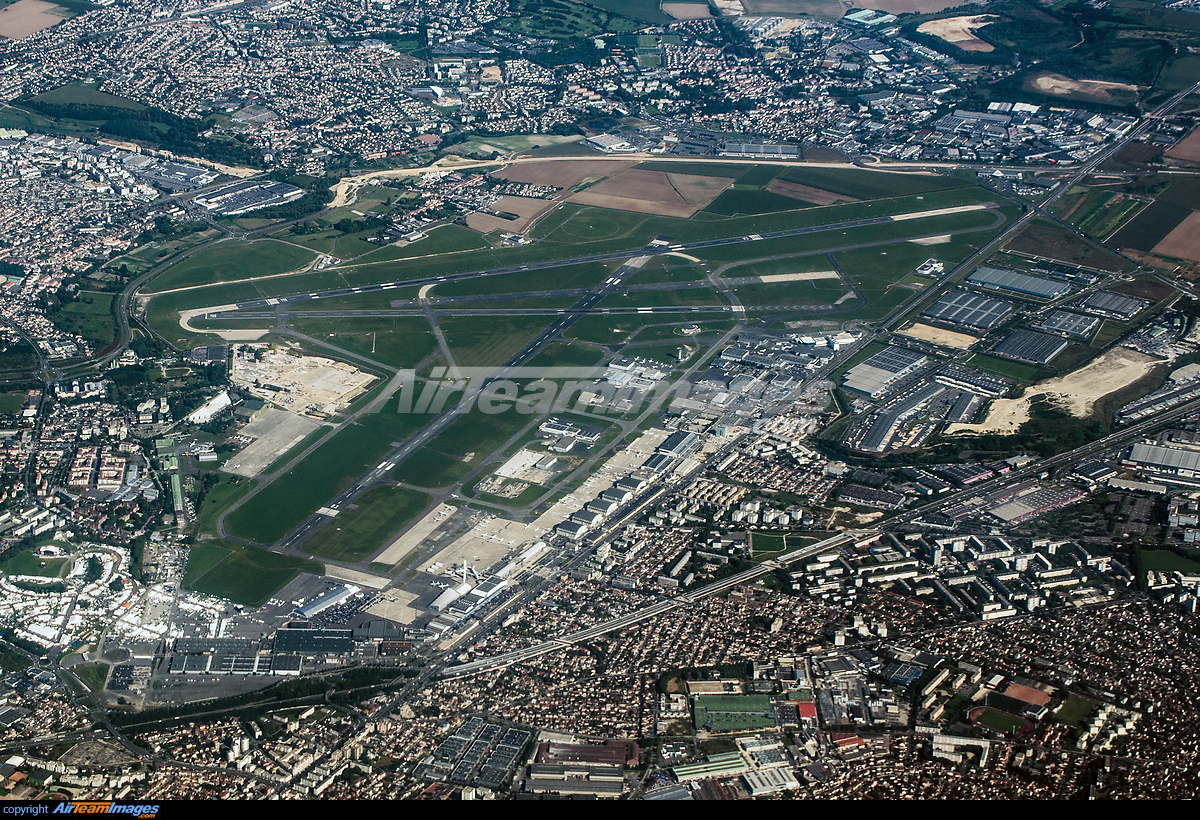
point(732, 713)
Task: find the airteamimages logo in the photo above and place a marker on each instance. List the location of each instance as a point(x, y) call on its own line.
point(105, 807)
point(530, 390)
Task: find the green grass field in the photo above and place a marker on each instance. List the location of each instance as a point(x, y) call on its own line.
point(84, 95)
point(230, 262)
point(565, 354)
point(229, 488)
point(24, 562)
point(342, 458)
point(360, 531)
point(11, 403)
point(1168, 561)
point(1000, 721)
point(863, 184)
point(1074, 710)
point(90, 316)
point(92, 675)
point(733, 713)
point(478, 343)
point(406, 346)
point(244, 575)
point(460, 448)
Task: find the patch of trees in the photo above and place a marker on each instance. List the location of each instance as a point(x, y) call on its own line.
point(151, 126)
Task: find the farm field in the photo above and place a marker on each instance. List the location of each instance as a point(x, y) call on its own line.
point(652, 192)
point(1187, 149)
point(1099, 212)
point(1042, 239)
point(1151, 226)
point(26, 17)
point(1183, 242)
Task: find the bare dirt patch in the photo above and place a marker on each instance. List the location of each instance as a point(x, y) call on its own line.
point(1187, 149)
point(1060, 85)
point(698, 191)
point(960, 31)
point(1004, 416)
point(524, 207)
point(806, 193)
point(1076, 392)
point(940, 336)
point(687, 11)
point(26, 17)
point(561, 174)
point(1079, 391)
point(1184, 241)
point(652, 192)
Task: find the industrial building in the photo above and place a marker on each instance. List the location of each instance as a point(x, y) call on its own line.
point(1000, 279)
point(974, 381)
point(1069, 324)
point(875, 375)
point(325, 600)
point(971, 310)
point(1165, 463)
point(247, 195)
point(1028, 346)
point(1114, 305)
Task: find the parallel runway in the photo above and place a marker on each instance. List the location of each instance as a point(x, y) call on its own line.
point(653, 248)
